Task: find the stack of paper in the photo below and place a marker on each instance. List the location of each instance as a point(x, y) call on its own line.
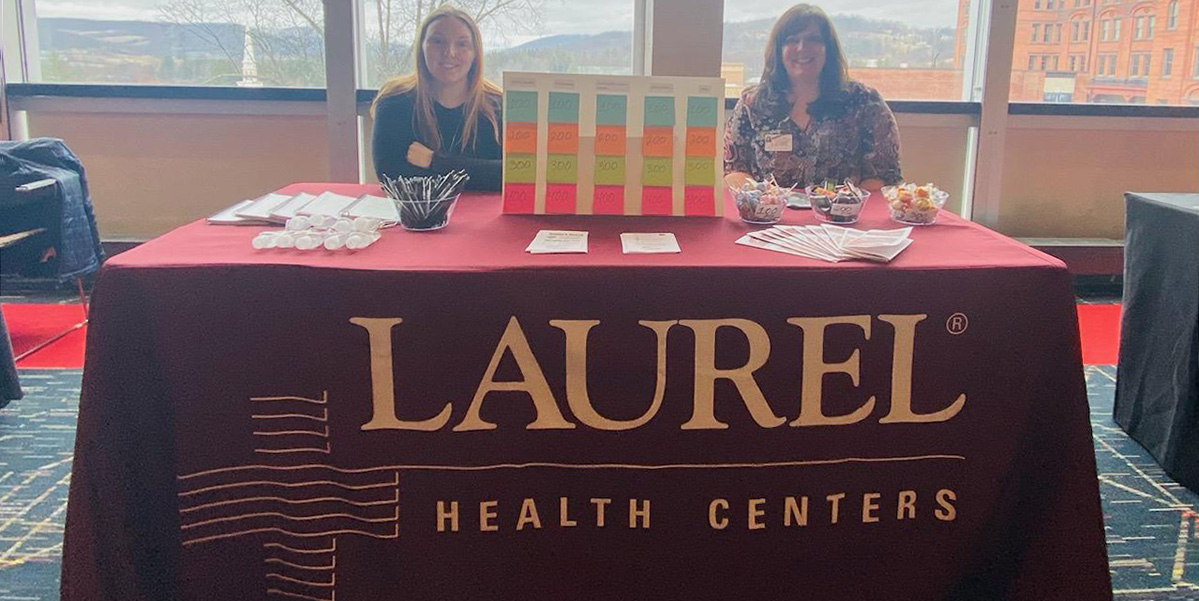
point(278, 208)
point(635, 244)
point(558, 241)
point(830, 243)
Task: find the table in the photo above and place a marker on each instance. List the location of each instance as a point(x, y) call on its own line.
point(1157, 378)
point(443, 416)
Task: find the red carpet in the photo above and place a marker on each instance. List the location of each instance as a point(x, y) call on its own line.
point(1099, 326)
point(31, 324)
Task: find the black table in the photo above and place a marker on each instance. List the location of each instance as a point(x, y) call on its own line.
point(1157, 382)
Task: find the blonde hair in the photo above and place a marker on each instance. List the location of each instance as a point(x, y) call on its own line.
point(421, 80)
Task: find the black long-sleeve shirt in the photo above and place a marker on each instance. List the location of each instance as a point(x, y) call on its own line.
point(395, 130)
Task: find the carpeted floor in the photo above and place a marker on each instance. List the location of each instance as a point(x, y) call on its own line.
point(1151, 522)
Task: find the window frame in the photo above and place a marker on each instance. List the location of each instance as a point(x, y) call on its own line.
point(993, 52)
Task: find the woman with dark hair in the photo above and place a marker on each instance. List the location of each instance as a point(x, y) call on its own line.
point(444, 116)
point(807, 121)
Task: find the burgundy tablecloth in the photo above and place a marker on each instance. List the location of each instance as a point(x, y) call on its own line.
point(444, 416)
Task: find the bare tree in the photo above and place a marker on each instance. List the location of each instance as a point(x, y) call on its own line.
point(390, 42)
point(934, 38)
point(288, 35)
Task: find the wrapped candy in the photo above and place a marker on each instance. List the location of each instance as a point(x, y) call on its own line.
point(914, 205)
point(760, 202)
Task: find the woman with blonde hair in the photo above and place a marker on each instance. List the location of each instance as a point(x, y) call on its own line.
point(807, 121)
point(444, 116)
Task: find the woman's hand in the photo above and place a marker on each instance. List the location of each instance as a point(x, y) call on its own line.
point(420, 155)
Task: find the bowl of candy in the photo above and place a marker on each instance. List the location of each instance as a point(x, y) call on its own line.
point(760, 203)
point(911, 204)
point(425, 203)
point(833, 203)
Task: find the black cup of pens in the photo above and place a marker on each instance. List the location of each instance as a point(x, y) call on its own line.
point(425, 203)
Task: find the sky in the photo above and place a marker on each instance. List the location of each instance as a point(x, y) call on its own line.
point(575, 16)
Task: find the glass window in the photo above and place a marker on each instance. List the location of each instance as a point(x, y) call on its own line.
point(1048, 28)
point(182, 42)
point(1152, 23)
point(1110, 60)
point(1116, 29)
point(1075, 28)
point(1036, 31)
point(1172, 15)
point(1105, 30)
point(1086, 31)
point(525, 35)
point(1167, 62)
point(1140, 65)
point(905, 49)
point(1139, 32)
point(1195, 64)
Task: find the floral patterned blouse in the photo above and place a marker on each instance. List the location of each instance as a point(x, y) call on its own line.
point(850, 136)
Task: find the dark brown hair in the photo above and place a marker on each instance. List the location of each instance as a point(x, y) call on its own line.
point(834, 77)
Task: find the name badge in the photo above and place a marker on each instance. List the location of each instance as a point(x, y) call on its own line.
point(778, 142)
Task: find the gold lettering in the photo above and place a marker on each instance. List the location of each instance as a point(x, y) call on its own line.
point(576, 374)
point(599, 510)
point(641, 513)
point(565, 520)
point(835, 505)
point(755, 512)
point(549, 417)
point(383, 414)
point(721, 522)
point(798, 511)
point(946, 512)
point(486, 514)
point(528, 515)
point(907, 505)
point(443, 515)
point(815, 368)
point(869, 506)
point(703, 415)
point(901, 376)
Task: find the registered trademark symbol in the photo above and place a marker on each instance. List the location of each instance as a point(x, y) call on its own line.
point(957, 323)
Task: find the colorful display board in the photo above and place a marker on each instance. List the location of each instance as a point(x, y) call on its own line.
point(613, 145)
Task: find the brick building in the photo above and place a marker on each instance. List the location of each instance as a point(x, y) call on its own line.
point(1107, 51)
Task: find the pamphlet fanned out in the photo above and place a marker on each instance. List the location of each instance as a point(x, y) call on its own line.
point(830, 242)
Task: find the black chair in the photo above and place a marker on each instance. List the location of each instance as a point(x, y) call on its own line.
point(48, 234)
